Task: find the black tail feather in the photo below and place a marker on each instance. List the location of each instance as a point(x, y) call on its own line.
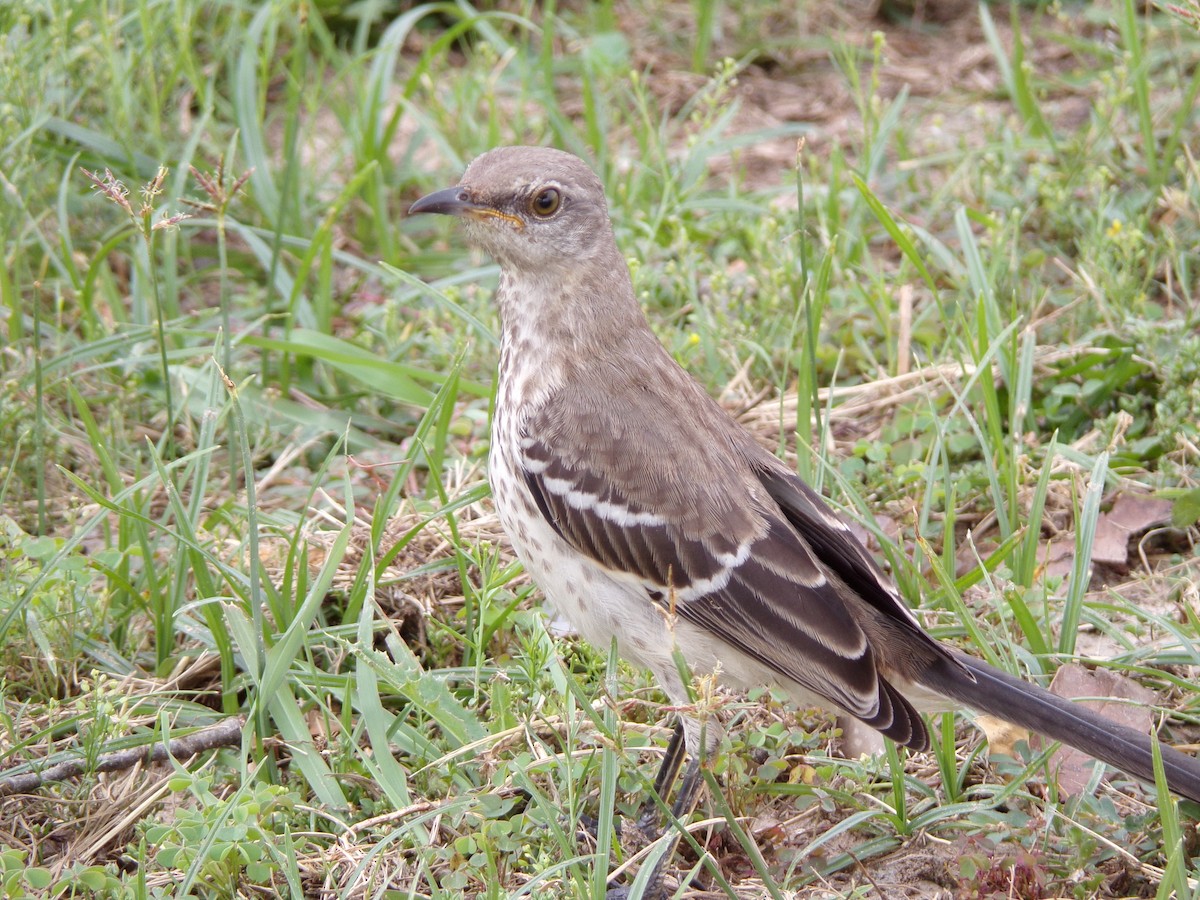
point(1023, 703)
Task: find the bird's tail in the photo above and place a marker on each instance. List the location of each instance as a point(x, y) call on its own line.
point(1023, 703)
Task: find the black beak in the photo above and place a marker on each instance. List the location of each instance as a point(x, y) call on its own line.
point(456, 201)
point(449, 202)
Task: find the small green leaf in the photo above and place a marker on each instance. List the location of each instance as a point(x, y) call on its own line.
point(38, 878)
point(1186, 510)
point(94, 878)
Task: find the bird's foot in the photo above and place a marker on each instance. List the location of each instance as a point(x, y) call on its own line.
point(656, 891)
point(649, 821)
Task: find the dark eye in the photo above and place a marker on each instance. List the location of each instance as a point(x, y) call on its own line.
point(545, 202)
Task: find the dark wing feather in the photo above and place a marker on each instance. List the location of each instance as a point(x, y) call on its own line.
point(613, 530)
point(759, 589)
point(830, 538)
point(840, 552)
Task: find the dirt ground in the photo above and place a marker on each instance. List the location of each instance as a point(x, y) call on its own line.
point(939, 54)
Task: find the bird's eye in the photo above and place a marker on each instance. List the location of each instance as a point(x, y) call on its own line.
point(545, 202)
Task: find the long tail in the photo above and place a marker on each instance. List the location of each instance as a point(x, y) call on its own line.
point(1023, 703)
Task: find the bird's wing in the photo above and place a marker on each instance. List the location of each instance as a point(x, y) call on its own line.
point(714, 549)
point(830, 538)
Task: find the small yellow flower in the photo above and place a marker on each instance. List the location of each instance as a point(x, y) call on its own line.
point(693, 339)
point(1114, 229)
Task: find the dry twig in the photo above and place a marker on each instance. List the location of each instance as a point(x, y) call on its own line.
point(225, 733)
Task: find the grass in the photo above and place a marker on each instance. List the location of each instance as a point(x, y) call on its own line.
point(244, 407)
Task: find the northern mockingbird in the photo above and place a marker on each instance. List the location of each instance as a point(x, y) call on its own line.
point(646, 514)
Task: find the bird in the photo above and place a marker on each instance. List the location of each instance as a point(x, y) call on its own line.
point(650, 517)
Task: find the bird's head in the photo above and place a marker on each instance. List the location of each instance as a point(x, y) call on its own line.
point(532, 208)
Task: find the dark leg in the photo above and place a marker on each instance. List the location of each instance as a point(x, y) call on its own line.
point(685, 803)
point(673, 759)
point(650, 820)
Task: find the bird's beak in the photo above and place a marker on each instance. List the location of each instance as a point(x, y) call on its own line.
point(449, 202)
point(456, 201)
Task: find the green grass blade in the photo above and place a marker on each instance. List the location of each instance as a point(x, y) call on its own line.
point(1081, 566)
point(903, 241)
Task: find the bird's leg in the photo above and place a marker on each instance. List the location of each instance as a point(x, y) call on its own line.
point(685, 803)
point(650, 820)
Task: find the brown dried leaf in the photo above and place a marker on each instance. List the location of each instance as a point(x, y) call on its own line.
point(1130, 516)
point(1138, 513)
point(889, 526)
point(1111, 544)
point(969, 552)
point(1057, 557)
point(1121, 700)
point(1002, 737)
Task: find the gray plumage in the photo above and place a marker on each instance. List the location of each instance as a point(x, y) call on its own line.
point(645, 513)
